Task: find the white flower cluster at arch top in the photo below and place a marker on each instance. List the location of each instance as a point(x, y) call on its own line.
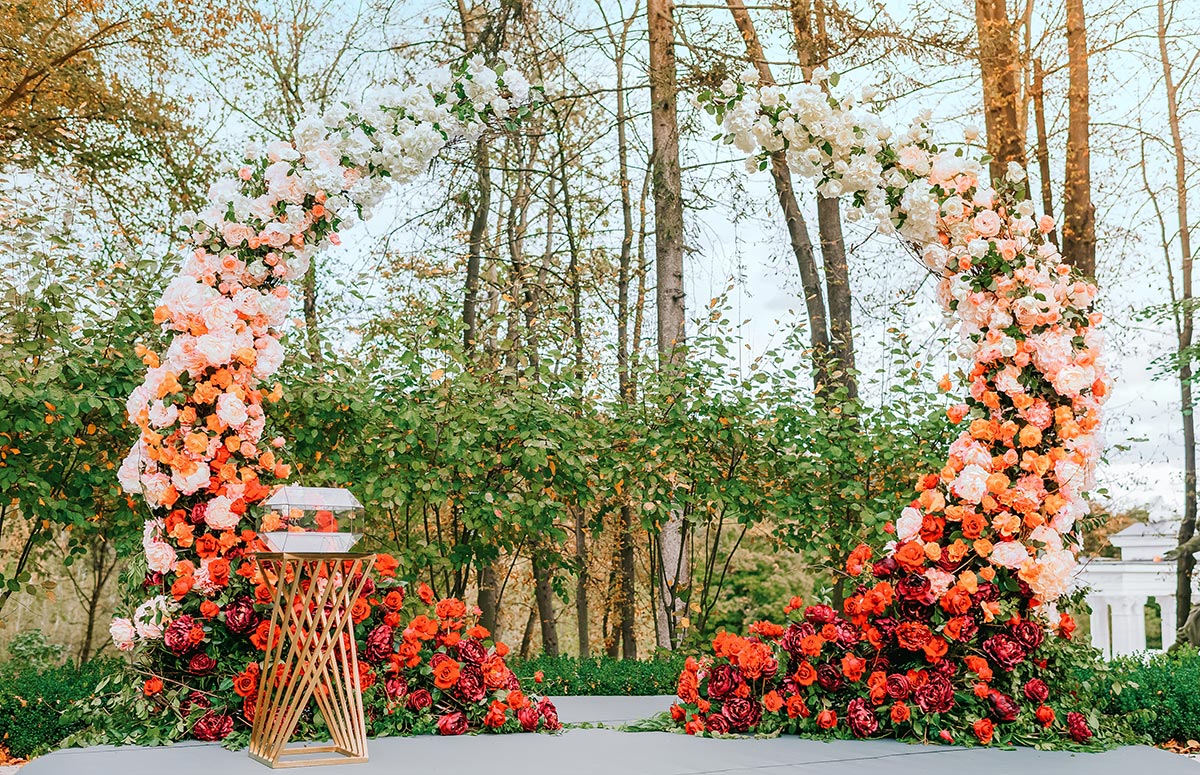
point(200, 458)
point(1007, 499)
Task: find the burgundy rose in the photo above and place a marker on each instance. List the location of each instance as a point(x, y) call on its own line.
point(212, 726)
point(936, 696)
point(194, 699)
point(471, 650)
point(897, 686)
point(511, 681)
point(419, 700)
point(1030, 634)
point(790, 642)
point(885, 567)
point(177, 636)
point(848, 635)
point(1005, 650)
point(1004, 708)
point(717, 724)
point(829, 677)
point(378, 646)
point(887, 627)
point(723, 681)
point(529, 718)
point(1077, 727)
point(240, 616)
point(452, 723)
point(470, 684)
point(153, 579)
point(249, 705)
point(914, 610)
point(368, 585)
point(969, 629)
point(198, 512)
point(201, 664)
point(915, 587)
point(549, 714)
point(986, 593)
point(945, 667)
point(861, 718)
point(742, 713)
point(395, 688)
point(1037, 691)
point(820, 614)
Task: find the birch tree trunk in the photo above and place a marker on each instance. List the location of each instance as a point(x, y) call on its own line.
point(674, 571)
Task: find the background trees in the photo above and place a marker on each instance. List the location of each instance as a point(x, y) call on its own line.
point(501, 361)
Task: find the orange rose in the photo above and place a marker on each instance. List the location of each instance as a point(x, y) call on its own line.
point(207, 546)
point(797, 707)
point(935, 649)
point(218, 572)
point(900, 713)
point(853, 667)
point(209, 609)
point(811, 645)
point(805, 674)
point(182, 586)
point(393, 600)
point(450, 608)
point(911, 556)
point(827, 719)
point(445, 673)
point(772, 701)
point(152, 686)
point(360, 611)
point(245, 684)
point(424, 592)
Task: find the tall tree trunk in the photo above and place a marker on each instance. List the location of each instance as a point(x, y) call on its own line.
point(1079, 214)
point(544, 597)
point(802, 247)
point(489, 610)
point(1185, 317)
point(1038, 93)
point(312, 334)
point(999, 65)
point(674, 571)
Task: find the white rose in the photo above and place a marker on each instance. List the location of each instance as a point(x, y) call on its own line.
point(231, 410)
point(909, 524)
point(160, 557)
point(186, 485)
point(1009, 554)
point(971, 484)
point(122, 632)
point(218, 516)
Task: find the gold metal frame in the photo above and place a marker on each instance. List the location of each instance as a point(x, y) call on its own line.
point(312, 657)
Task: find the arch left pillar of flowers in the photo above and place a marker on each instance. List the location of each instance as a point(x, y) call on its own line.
point(200, 461)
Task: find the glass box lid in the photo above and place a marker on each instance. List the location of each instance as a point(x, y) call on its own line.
point(310, 520)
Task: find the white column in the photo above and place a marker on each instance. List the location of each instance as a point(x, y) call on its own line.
point(1099, 621)
point(1128, 625)
point(1169, 623)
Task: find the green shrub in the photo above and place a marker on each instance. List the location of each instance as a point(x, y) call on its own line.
point(601, 675)
point(1169, 685)
point(33, 701)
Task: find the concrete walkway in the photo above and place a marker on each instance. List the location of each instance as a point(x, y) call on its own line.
point(609, 752)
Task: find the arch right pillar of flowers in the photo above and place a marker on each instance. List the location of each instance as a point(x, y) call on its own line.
point(948, 627)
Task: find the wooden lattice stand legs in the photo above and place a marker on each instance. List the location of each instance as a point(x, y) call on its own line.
point(311, 656)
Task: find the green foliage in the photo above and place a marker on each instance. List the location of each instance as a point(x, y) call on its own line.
point(35, 703)
point(601, 675)
point(1167, 684)
point(29, 650)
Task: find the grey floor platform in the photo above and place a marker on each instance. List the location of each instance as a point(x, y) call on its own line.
point(609, 752)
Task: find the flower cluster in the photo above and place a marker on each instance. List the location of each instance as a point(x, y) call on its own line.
point(201, 460)
point(989, 540)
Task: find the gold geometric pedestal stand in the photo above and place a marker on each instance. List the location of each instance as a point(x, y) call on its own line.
point(312, 657)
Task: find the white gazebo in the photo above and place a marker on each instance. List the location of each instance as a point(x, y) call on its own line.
point(1121, 588)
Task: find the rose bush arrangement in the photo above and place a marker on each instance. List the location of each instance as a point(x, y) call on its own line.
point(948, 628)
point(201, 461)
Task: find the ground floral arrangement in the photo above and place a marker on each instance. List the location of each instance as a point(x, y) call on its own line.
point(948, 633)
point(201, 461)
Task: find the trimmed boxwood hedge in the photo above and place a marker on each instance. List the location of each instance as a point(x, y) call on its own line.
point(33, 700)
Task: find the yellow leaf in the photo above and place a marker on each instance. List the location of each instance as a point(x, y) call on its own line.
point(49, 405)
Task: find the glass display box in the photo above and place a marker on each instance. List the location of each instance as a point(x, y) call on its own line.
point(310, 520)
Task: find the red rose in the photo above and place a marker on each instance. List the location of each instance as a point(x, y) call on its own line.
point(1005, 650)
point(395, 688)
point(717, 724)
point(936, 696)
point(829, 677)
point(983, 730)
point(900, 713)
point(378, 645)
point(201, 664)
point(240, 614)
point(827, 719)
point(178, 636)
point(1004, 707)
point(1077, 727)
point(723, 681)
point(419, 700)
point(897, 686)
point(819, 614)
point(915, 587)
point(742, 714)
point(912, 636)
point(152, 686)
point(1030, 634)
point(471, 650)
point(1037, 691)
point(212, 726)
point(1045, 715)
point(452, 724)
point(861, 718)
point(549, 714)
point(470, 684)
point(529, 718)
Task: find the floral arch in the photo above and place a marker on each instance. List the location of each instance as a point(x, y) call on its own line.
point(949, 629)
